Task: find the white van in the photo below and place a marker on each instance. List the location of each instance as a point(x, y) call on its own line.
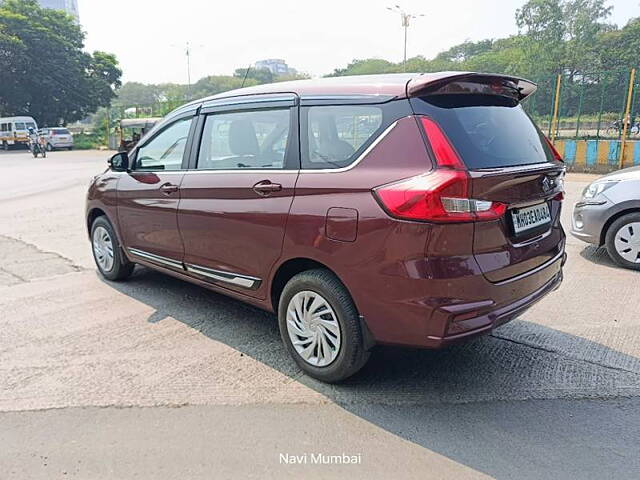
point(15, 131)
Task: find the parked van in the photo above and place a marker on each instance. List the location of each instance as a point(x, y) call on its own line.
point(403, 209)
point(15, 131)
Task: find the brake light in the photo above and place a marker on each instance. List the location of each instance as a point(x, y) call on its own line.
point(441, 195)
point(555, 152)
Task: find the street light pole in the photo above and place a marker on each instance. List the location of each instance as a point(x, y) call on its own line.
point(406, 20)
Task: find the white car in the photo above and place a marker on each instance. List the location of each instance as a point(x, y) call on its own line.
point(57, 137)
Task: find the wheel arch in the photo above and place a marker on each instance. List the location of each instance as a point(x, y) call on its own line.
point(288, 269)
point(613, 218)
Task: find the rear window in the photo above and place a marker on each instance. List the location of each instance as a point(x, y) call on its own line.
point(488, 131)
point(336, 135)
point(60, 131)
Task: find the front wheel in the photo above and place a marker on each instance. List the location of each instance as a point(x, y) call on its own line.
point(320, 326)
point(623, 241)
point(49, 147)
point(107, 254)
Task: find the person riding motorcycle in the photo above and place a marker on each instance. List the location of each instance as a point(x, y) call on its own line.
point(35, 143)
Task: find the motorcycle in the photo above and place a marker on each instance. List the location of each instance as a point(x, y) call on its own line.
point(37, 148)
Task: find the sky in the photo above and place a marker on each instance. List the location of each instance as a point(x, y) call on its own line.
point(149, 36)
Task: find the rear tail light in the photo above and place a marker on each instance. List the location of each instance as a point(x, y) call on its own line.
point(555, 152)
point(441, 195)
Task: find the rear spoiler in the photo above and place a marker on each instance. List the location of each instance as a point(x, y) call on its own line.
point(429, 82)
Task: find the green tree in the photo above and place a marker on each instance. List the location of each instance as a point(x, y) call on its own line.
point(44, 71)
point(260, 75)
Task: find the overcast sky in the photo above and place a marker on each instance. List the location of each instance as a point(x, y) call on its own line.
point(148, 36)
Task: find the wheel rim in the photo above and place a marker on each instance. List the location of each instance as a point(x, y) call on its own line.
point(103, 249)
point(627, 242)
point(313, 328)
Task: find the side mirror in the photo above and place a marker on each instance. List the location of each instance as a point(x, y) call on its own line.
point(119, 162)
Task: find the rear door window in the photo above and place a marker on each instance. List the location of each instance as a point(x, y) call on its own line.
point(488, 131)
point(256, 139)
point(336, 135)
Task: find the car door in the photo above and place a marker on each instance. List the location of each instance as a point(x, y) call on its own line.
point(236, 196)
point(149, 193)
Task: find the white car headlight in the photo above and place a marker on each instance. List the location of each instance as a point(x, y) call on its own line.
point(596, 188)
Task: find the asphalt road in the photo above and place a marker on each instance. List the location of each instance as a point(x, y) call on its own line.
point(156, 378)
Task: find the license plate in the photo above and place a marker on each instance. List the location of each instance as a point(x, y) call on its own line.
point(530, 217)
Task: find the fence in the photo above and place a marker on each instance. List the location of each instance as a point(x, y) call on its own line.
point(591, 117)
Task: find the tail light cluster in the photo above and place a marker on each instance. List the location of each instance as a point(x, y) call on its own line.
point(442, 195)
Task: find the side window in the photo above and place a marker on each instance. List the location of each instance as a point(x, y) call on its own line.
point(165, 150)
point(336, 135)
point(252, 139)
point(3, 127)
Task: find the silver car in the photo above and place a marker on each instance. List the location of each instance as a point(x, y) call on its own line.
point(609, 214)
point(57, 137)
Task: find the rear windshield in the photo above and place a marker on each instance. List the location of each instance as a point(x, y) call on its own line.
point(60, 131)
point(488, 131)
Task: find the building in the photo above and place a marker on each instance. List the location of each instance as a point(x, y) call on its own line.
point(69, 6)
point(276, 66)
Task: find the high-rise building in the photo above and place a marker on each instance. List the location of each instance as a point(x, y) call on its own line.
point(69, 6)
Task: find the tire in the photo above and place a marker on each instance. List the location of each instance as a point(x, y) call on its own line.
point(623, 241)
point(5, 146)
point(49, 147)
point(348, 354)
point(70, 148)
point(103, 235)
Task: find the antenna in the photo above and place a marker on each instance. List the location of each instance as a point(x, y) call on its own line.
point(245, 76)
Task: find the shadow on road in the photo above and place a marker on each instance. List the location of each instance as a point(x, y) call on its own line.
point(453, 401)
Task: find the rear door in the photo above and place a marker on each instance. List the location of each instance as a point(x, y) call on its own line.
point(238, 191)
point(509, 161)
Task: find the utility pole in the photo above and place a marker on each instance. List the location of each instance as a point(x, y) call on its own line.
point(406, 21)
point(187, 51)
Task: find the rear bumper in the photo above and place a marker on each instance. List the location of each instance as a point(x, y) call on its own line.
point(484, 324)
point(458, 312)
point(61, 144)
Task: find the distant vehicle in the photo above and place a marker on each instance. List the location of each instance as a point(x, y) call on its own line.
point(609, 214)
point(405, 209)
point(15, 131)
point(133, 129)
point(57, 137)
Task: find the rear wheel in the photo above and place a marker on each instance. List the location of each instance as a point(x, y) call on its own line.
point(107, 254)
point(5, 146)
point(623, 241)
point(320, 326)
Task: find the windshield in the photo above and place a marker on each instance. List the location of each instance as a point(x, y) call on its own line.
point(488, 131)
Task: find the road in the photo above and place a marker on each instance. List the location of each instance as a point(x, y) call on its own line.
point(156, 378)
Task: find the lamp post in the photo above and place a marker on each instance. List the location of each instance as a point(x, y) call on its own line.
point(406, 20)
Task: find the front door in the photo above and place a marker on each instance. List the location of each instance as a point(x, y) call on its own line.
point(148, 196)
point(235, 201)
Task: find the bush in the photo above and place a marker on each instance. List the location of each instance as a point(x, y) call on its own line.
point(88, 141)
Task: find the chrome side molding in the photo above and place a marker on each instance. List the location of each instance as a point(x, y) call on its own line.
point(164, 261)
point(209, 274)
point(244, 281)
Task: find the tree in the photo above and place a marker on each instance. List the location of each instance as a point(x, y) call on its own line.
point(44, 71)
point(260, 75)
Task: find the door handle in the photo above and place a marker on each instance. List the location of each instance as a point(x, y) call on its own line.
point(169, 188)
point(266, 187)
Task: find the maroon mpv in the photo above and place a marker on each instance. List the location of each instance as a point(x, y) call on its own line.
point(404, 209)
